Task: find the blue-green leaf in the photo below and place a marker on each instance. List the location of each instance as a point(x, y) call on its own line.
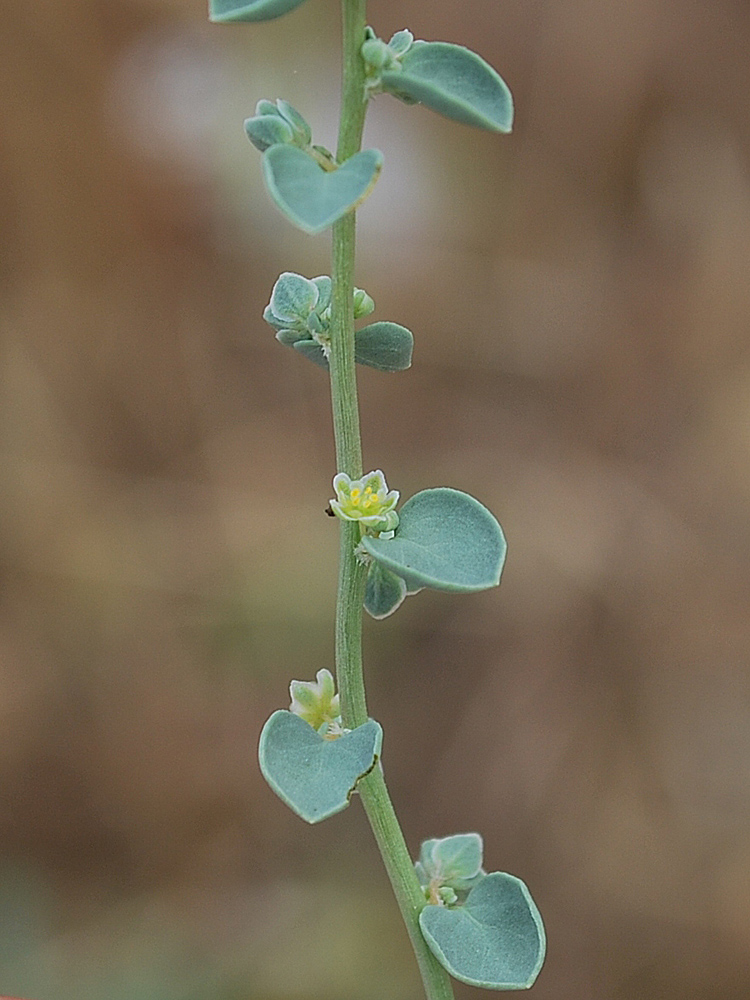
point(455, 82)
point(311, 197)
point(446, 540)
point(454, 861)
point(268, 130)
point(290, 337)
point(297, 122)
point(324, 285)
point(495, 939)
point(311, 350)
point(385, 346)
point(385, 592)
point(401, 42)
point(293, 297)
point(249, 10)
point(314, 776)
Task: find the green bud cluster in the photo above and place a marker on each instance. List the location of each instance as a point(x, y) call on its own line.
point(275, 123)
point(448, 868)
point(300, 309)
point(380, 57)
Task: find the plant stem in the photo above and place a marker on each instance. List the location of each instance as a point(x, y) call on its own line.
point(352, 574)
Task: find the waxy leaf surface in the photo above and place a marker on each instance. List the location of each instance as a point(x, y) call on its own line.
point(311, 197)
point(385, 346)
point(249, 10)
point(495, 939)
point(446, 540)
point(455, 82)
point(313, 776)
point(384, 593)
point(453, 861)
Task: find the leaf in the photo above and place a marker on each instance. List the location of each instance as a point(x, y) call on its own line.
point(385, 592)
point(298, 123)
point(292, 297)
point(311, 197)
point(315, 777)
point(311, 350)
point(290, 337)
point(495, 939)
point(385, 346)
point(267, 130)
point(446, 540)
point(455, 82)
point(249, 10)
point(454, 861)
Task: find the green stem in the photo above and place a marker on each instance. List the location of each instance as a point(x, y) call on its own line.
point(352, 574)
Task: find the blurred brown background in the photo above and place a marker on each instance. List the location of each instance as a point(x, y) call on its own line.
point(579, 295)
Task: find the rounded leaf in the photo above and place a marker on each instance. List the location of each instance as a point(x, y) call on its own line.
point(293, 297)
point(313, 198)
point(385, 346)
point(446, 540)
point(455, 82)
point(385, 592)
point(314, 776)
point(249, 10)
point(495, 939)
point(453, 860)
point(265, 131)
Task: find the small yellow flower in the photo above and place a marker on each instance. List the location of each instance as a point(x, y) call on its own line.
point(366, 500)
point(316, 701)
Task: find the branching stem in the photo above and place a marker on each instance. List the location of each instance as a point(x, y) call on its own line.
point(352, 575)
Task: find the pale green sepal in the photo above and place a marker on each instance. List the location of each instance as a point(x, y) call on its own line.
point(291, 337)
point(249, 10)
point(455, 82)
point(385, 592)
point(385, 346)
point(495, 939)
point(445, 540)
point(401, 42)
point(299, 125)
point(265, 131)
point(313, 198)
point(311, 350)
point(293, 297)
point(314, 776)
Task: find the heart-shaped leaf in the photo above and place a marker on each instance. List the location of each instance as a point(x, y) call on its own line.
point(313, 775)
point(455, 82)
point(446, 540)
point(249, 10)
point(385, 592)
point(311, 197)
point(495, 939)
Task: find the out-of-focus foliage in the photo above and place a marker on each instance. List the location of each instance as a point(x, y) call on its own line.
point(583, 367)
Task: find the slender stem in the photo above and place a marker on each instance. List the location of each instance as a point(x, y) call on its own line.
point(352, 574)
